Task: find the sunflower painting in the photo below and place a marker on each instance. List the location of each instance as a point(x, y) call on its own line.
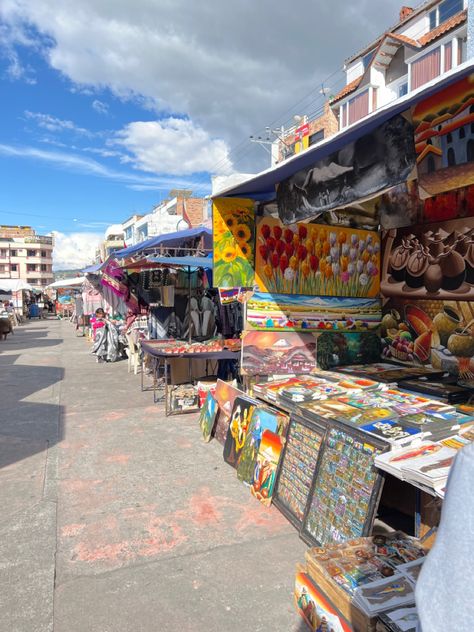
point(233, 237)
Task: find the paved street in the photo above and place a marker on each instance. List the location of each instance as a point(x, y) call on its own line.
point(116, 519)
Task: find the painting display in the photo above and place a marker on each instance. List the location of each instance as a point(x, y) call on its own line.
point(335, 349)
point(430, 261)
point(345, 488)
point(225, 395)
point(208, 416)
point(444, 138)
point(233, 222)
point(268, 457)
point(433, 333)
point(238, 427)
point(448, 205)
point(298, 465)
point(262, 419)
point(275, 353)
point(400, 206)
point(314, 260)
point(315, 608)
point(377, 161)
point(293, 312)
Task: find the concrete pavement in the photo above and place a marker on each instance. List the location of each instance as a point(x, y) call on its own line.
point(117, 519)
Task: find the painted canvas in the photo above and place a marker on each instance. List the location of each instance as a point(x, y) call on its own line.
point(275, 353)
point(233, 242)
point(433, 333)
point(452, 204)
point(207, 417)
point(400, 206)
point(318, 612)
point(444, 138)
point(292, 312)
point(225, 395)
point(238, 428)
point(337, 349)
point(375, 162)
point(315, 260)
point(430, 261)
point(264, 474)
point(262, 419)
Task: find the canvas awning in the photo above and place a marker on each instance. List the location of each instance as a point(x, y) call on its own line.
point(170, 240)
point(74, 282)
point(14, 285)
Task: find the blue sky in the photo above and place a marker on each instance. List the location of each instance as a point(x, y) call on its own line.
point(106, 106)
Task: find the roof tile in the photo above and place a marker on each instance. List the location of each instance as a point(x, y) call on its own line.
point(353, 85)
point(440, 30)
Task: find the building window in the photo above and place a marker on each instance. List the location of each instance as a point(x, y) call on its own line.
point(449, 137)
point(462, 133)
point(403, 89)
point(33, 281)
point(14, 267)
point(13, 253)
point(433, 19)
point(470, 150)
point(444, 11)
point(451, 157)
point(44, 254)
point(44, 267)
point(30, 267)
point(3, 253)
point(316, 137)
point(31, 253)
point(366, 59)
point(2, 267)
point(425, 68)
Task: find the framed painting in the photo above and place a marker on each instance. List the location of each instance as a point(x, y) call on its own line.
point(225, 395)
point(268, 458)
point(287, 312)
point(238, 428)
point(346, 488)
point(275, 353)
point(314, 260)
point(314, 607)
point(298, 464)
point(233, 222)
point(262, 419)
point(208, 416)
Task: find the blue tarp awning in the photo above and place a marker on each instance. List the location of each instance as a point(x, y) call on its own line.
point(92, 269)
point(170, 240)
point(262, 186)
point(192, 262)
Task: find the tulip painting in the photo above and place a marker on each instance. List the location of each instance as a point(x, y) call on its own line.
point(316, 260)
point(233, 242)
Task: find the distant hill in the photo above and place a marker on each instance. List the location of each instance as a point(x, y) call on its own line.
point(66, 274)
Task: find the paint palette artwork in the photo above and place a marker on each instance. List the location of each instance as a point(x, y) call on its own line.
point(297, 468)
point(262, 419)
point(345, 488)
point(265, 472)
point(208, 416)
point(238, 428)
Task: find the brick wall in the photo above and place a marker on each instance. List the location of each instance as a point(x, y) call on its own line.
point(194, 211)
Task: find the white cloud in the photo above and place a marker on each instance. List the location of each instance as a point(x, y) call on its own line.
point(100, 106)
point(74, 250)
point(174, 146)
point(54, 124)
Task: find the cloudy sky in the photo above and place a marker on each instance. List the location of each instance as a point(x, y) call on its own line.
point(106, 106)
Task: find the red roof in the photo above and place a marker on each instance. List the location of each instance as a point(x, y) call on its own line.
point(353, 85)
point(457, 19)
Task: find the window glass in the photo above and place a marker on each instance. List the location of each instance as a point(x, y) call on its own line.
point(403, 89)
point(448, 8)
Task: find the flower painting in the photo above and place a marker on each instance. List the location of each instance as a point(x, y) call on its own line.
point(233, 242)
point(316, 260)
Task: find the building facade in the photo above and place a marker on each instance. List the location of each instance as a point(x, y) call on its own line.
point(25, 255)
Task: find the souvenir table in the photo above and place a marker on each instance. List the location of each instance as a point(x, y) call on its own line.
point(160, 352)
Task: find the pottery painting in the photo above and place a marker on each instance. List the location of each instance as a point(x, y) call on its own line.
point(264, 474)
point(338, 349)
point(444, 138)
point(429, 332)
point(275, 353)
point(286, 312)
point(430, 261)
point(207, 417)
point(233, 242)
point(315, 260)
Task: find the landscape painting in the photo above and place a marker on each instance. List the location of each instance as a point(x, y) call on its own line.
point(277, 353)
point(430, 261)
point(264, 475)
point(444, 138)
point(315, 260)
point(233, 242)
point(338, 349)
point(207, 417)
point(287, 312)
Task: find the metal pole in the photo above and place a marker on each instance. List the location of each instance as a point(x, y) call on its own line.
point(189, 303)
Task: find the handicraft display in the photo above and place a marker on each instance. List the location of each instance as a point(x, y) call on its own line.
point(238, 428)
point(430, 261)
point(268, 457)
point(436, 333)
point(345, 488)
point(208, 416)
point(444, 139)
point(334, 349)
point(286, 312)
point(376, 161)
point(262, 419)
point(275, 353)
point(233, 242)
point(297, 468)
point(315, 260)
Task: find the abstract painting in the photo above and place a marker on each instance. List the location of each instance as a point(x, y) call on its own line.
point(233, 242)
point(207, 417)
point(377, 161)
point(444, 138)
point(225, 395)
point(315, 260)
point(432, 333)
point(275, 353)
point(266, 466)
point(238, 427)
point(293, 312)
point(430, 261)
point(337, 349)
point(262, 419)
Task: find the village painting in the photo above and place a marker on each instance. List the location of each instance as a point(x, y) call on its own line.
point(277, 353)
